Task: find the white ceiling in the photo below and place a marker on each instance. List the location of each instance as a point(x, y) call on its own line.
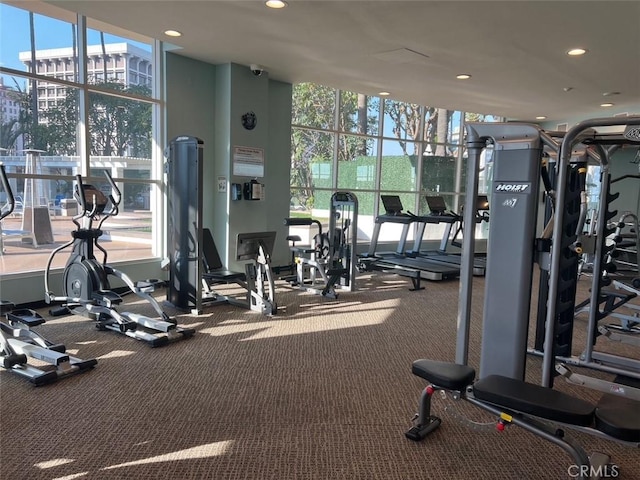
point(514, 50)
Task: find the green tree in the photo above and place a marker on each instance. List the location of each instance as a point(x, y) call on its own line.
point(407, 127)
point(9, 134)
point(118, 123)
point(62, 123)
point(315, 106)
point(35, 134)
point(354, 118)
point(119, 126)
point(312, 105)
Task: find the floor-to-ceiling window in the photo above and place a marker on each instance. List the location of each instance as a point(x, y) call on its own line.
point(375, 145)
point(77, 98)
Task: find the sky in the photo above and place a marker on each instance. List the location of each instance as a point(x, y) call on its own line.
point(49, 33)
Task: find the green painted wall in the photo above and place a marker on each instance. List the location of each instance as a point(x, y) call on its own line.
point(209, 101)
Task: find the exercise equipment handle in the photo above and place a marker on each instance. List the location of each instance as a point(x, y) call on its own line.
point(114, 188)
point(79, 194)
point(298, 222)
point(546, 179)
point(11, 201)
point(302, 222)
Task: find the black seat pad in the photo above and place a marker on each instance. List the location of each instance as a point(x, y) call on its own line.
point(619, 417)
point(214, 270)
point(337, 271)
point(534, 400)
point(223, 275)
point(444, 374)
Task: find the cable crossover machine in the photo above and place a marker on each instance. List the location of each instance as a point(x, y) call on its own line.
point(501, 388)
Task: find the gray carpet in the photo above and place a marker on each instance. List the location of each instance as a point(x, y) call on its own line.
point(323, 390)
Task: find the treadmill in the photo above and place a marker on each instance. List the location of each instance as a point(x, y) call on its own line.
point(398, 262)
point(440, 214)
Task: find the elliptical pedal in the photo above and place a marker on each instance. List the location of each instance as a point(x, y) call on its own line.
point(106, 297)
point(18, 341)
point(29, 318)
point(149, 285)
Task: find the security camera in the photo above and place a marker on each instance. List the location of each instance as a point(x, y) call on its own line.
point(256, 69)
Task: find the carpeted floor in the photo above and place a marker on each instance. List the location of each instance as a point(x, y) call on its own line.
point(323, 390)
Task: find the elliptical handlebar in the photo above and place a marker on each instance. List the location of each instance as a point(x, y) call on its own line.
point(79, 194)
point(114, 188)
point(95, 206)
point(115, 201)
point(11, 201)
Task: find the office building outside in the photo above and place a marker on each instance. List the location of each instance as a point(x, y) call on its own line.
point(124, 63)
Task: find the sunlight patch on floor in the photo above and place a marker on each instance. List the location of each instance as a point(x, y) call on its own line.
point(337, 318)
point(201, 451)
point(56, 462)
point(116, 354)
point(72, 476)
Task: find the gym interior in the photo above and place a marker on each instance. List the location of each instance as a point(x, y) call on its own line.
point(239, 242)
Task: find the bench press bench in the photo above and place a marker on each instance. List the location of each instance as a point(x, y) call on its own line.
point(526, 404)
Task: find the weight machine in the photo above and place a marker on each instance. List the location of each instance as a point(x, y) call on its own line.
point(257, 279)
point(330, 263)
point(501, 388)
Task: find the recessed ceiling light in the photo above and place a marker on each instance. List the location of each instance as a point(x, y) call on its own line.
point(610, 94)
point(540, 117)
point(574, 52)
point(463, 76)
point(384, 94)
point(172, 33)
point(275, 3)
point(608, 104)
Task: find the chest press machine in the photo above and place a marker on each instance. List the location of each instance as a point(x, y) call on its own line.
point(501, 388)
point(257, 279)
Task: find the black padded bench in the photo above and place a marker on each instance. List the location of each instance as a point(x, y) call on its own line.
point(616, 416)
point(523, 404)
point(213, 268)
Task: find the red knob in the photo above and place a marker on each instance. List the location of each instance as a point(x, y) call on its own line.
point(500, 427)
point(430, 390)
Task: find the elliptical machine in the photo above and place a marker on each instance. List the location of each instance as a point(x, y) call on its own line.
point(18, 342)
point(87, 290)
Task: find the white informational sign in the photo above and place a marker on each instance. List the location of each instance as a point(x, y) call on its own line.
point(248, 161)
point(222, 184)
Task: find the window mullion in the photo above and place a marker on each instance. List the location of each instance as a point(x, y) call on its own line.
point(83, 101)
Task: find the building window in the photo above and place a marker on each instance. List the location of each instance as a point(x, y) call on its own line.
point(378, 146)
point(121, 134)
